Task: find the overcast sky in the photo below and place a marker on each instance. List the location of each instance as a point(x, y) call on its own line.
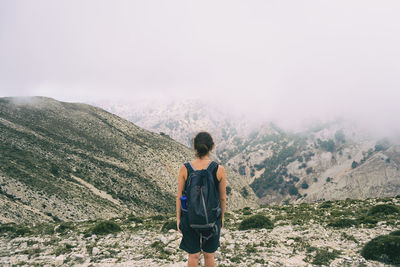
point(289, 60)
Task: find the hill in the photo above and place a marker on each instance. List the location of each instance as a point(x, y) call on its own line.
point(73, 161)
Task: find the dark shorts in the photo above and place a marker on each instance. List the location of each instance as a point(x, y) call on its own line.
point(191, 239)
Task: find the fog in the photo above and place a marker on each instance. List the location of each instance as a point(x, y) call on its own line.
point(288, 61)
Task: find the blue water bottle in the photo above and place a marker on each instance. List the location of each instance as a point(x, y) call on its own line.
point(183, 202)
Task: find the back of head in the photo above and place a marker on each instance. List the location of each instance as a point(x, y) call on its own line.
point(203, 143)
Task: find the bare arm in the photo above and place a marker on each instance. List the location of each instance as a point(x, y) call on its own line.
point(181, 183)
point(221, 175)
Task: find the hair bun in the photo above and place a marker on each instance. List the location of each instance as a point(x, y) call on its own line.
point(203, 143)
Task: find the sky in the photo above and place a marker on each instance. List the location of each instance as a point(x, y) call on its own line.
point(283, 60)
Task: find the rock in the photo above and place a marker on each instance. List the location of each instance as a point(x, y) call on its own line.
point(170, 250)
point(290, 241)
point(163, 239)
point(95, 251)
point(78, 257)
point(23, 245)
point(59, 260)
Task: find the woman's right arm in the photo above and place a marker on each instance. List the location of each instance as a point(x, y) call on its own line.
point(181, 183)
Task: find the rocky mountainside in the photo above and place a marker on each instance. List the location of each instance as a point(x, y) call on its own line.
point(326, 160)
point(331, 233)
point(71, 161)
point(182, 119)
point(335, 161)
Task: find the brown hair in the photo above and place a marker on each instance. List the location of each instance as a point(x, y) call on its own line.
point(203, 143)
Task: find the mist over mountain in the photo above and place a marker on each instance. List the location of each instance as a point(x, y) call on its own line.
point(314, 161)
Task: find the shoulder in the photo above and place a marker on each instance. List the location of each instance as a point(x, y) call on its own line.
point(183, 171)
point(221, 172)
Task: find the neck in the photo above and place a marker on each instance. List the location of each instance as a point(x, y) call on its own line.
point(206, 157)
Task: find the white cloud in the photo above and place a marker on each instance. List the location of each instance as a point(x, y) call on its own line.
point(287, 60)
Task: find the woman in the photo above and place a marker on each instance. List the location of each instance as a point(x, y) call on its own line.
point(191, 243)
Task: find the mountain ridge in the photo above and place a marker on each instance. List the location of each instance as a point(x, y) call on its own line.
point(73, 161)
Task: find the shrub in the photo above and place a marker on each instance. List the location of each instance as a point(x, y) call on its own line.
point(133, 218)
point(304, 185)
point(396, 233)
point(324, 256)
point(386, 209)
point(244, 192)
point(342, 223)
point(8, 227)
point(158, 217)
point(354, 164)
point(326, 204)
point(169, 225)
point(105, 227)
point(384, 248)
point(293, 190)
point(256, 222)
point(228, 190)
point(309, 170)
point(242, 170)
point(367, 220)
point(339, 136)
point(382, 145)
point(296, 179)
point(64, 227)
point(303, 165)
point(246, 211)
point(14, 230)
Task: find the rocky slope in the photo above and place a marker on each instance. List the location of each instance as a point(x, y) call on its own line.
point(330, 233)
point(325, 160)
point(71, 161)
point(182, 119)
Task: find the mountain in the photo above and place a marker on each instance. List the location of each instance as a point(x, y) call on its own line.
point(73, 161)
point(323, 160)
point(336, 160)
point(181, 119)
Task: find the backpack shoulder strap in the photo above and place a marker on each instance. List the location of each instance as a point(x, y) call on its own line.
point(212, 166)
point(188, 167)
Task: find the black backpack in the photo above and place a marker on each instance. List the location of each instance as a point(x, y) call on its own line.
point(203, 205)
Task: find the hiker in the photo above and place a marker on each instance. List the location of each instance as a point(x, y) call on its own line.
point(201, 202)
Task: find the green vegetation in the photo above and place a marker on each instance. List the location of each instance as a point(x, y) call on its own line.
point(293, 190)
point(354, 164)
point(342, 223)
point(328, 145)
point(63, 249)
point(244, 192)
point(385, 248)
point(133, 218)
point(65, 227)
point(340, 137)
point(382, 144)
point(105, 227)
point(383, 209)
point(14, 230)
point(169, 225)
point(256, 222)
point(324, 256)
